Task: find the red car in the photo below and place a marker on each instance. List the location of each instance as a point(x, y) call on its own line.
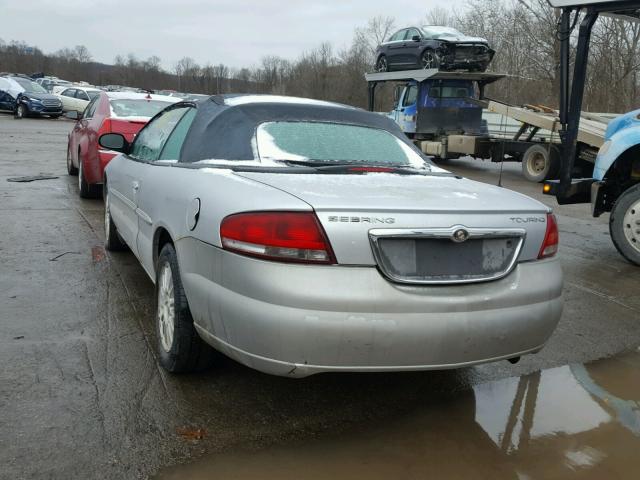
point(110, 112)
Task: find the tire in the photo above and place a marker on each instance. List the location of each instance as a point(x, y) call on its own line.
point(429, 59)
point(85, 190)
point(539, 163)
point(53, 117)
point(112, 240)
point(21, 112)
point(381, 64)
point(624, 224)
point(71, 169)
point(180, 348)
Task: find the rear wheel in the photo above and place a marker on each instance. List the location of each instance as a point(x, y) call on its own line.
point(85, 189)
point(112, 239)
point(430, 59)
point(540, 163)
point(382, 65)
point(624, 224)
point(180, 348)
point(71, 169)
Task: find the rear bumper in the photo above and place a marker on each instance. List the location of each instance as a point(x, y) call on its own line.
point(299, 320)
point(104, 157)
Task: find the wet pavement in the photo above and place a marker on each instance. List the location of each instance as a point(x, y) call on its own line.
point(571, 422)
point(81, 395)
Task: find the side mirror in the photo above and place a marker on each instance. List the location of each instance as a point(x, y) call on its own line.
point(72, 114)
point(114, 141)
point(416, 38)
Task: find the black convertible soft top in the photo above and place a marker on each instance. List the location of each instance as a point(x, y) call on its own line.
point(225, 131)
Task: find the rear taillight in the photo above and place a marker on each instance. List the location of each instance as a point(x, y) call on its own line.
point(282, 236)
point(551, 238)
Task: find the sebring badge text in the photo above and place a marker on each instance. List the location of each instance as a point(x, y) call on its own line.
point(387, 220)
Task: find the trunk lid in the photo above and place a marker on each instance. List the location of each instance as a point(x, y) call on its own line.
point(357, 211)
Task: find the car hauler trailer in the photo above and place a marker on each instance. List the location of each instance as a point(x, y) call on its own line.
point(443, 113)
point(613, 185)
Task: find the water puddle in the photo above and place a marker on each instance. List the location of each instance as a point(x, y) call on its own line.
point(576, 421)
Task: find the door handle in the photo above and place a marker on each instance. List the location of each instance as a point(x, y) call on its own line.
point(136, 186)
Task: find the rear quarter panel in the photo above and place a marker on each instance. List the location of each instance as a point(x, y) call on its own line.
point(167, 192)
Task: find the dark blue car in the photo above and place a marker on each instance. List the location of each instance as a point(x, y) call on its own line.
point(25, 97)
point(430, 46)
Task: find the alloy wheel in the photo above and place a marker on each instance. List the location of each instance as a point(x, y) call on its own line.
point(382, 65)
point(429, 60)
point(166, 311)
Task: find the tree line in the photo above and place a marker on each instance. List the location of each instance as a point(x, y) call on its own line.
point(523, 33)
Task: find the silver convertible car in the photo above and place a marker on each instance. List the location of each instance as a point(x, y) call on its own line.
point(299, 236)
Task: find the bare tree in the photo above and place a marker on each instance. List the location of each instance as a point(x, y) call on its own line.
point(81, 54)
point(440, 16)
point(377, 30)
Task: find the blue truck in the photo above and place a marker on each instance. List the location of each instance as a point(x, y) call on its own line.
point(435, 107)
point(442, 112)
point(613, 184)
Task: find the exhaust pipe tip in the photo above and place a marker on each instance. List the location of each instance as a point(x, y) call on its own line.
point(514, 360)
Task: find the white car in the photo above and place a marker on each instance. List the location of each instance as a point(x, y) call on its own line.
point(75, 98)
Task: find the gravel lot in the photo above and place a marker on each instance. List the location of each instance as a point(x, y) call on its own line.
point(81, 395)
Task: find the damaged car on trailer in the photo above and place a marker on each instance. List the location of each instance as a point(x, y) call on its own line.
point(299, 236)
point(433, 46)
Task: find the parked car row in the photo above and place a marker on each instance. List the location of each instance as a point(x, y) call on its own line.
point(124, 113)
point(51, 96)
point(299, 236)
point(430, 46)
point(49, 83)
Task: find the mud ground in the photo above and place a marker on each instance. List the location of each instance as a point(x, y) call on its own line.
point(81, 395)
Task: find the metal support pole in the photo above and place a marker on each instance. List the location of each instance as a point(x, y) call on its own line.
point(372, 95)
point(564, 35)
point(575, 101)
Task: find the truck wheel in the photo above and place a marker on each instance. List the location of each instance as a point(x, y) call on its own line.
point(624, 224)
point(539, 163)
point(430, 59)
point(180, 348)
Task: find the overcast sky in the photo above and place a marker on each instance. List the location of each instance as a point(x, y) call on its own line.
point(237, 33)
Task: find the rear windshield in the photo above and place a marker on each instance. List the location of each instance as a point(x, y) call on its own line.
point(136, 108)
point(449, 92)
point(333, 142)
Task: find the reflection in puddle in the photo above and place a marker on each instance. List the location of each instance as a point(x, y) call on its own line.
point(574, 421)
